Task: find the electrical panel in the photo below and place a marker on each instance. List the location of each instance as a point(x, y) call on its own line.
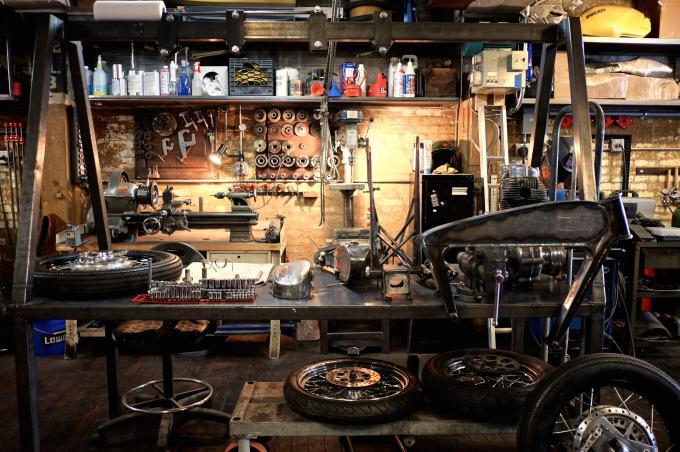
point(499, 70)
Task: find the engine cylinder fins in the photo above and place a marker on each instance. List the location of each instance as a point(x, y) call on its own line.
point(288, 116)
point(521, 191)
point(260, 146)
point(274, 115)
point(260, 115)
point(274, 146)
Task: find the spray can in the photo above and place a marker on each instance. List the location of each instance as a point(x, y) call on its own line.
point(390, 75)
point(197, 80)
point(118, 81)
point(282, 82)
point(361, 79)
point(165, 81)
point(409, 81)
point(398, 90)
point(152, 83)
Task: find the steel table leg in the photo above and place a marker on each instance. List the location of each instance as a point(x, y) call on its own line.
point(112, 377)
point(244, 445)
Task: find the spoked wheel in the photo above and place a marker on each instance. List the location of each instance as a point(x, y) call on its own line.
point(352, 390)
point(603, 403)
point(93, 274)
point(482, 383)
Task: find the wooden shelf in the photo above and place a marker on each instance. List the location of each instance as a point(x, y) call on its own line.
point(179, 101)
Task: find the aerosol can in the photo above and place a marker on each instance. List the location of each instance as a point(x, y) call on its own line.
point(398, 90)
point(390, 75)
point(409, 81)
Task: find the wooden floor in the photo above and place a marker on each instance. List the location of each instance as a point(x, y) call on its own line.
point(73, 400)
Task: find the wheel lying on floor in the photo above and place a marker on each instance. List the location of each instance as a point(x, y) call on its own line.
point(102, 274)
point(603, 402)
point(481, 383)
point(352, 391)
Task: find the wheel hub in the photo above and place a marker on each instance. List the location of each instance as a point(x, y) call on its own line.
point(353, 377)
point(608, 428)
point(97, 261)
point(492, 364)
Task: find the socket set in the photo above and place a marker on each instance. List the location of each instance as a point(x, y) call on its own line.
point(233, 290)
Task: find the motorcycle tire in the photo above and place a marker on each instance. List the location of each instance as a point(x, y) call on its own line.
point(536, 428)
point(96, 284)
point(348, 400)
point(477, 394)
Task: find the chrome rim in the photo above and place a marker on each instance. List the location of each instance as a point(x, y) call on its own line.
point(490, 369)
point(98, 261)
point(610, 418)
point(353, 380)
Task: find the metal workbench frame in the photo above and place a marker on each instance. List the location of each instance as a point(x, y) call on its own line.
point(380, 32)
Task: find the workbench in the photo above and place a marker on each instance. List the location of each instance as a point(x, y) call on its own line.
point(213, 242)
point(261, 411)
point(330, 300)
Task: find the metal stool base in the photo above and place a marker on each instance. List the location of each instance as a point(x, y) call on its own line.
point(159, 403)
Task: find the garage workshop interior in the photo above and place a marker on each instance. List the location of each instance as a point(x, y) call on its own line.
point(340, 226)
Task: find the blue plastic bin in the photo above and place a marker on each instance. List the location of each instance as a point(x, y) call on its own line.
point(49, 337)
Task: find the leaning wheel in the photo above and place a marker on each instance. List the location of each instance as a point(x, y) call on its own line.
point(102, 274)
point(352, 391)
point(482, 383)
point(603, 402)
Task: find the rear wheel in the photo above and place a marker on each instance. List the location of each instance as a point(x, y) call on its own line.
point(603, 402)
point(352, 391)
point(482, 383)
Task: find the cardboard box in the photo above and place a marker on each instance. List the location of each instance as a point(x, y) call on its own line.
point(669, 19)
point(651, 88)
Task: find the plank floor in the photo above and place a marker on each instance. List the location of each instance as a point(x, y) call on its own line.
point(73, 400)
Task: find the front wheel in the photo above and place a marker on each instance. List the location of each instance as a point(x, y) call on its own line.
point(603, 402)
point(352, 391)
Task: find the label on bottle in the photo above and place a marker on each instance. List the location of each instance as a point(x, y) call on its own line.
point(409, 85)
point(115, 87)
point(152, 84)
point(134, 84)
point(165, 82)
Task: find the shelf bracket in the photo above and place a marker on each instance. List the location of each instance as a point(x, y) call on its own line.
point(318, 37)
point(234, 36)
point(167, 34)
point(382, 32)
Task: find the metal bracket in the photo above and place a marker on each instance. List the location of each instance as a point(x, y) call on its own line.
point(234, 36)
point(167, 34)
point(382, 32)
point(318, 37)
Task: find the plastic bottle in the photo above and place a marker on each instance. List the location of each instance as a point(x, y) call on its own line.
point(165, 81)
point(390, 75)
point(197, 80)
point(88, 78)
point(99, 79)
point(183, 88)
point(398, 90)
point(134, 83)
point(409, 80)
point(173, 79)
point(361, 78)
point(152, 82)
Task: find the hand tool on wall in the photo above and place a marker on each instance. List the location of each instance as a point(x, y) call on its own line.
point(167, 146)
point(187, 122)
point(200, 119)
point(184, 144)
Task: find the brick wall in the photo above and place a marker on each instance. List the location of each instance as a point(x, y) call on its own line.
point(392, 136)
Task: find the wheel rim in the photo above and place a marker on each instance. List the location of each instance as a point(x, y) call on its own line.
point(98, 261)
point(353, 380)
point(609, 418)
point(490, 369)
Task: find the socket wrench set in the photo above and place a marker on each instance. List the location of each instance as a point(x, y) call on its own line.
point(207, 290)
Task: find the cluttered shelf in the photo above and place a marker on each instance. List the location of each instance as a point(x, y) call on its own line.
point(156, 101)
